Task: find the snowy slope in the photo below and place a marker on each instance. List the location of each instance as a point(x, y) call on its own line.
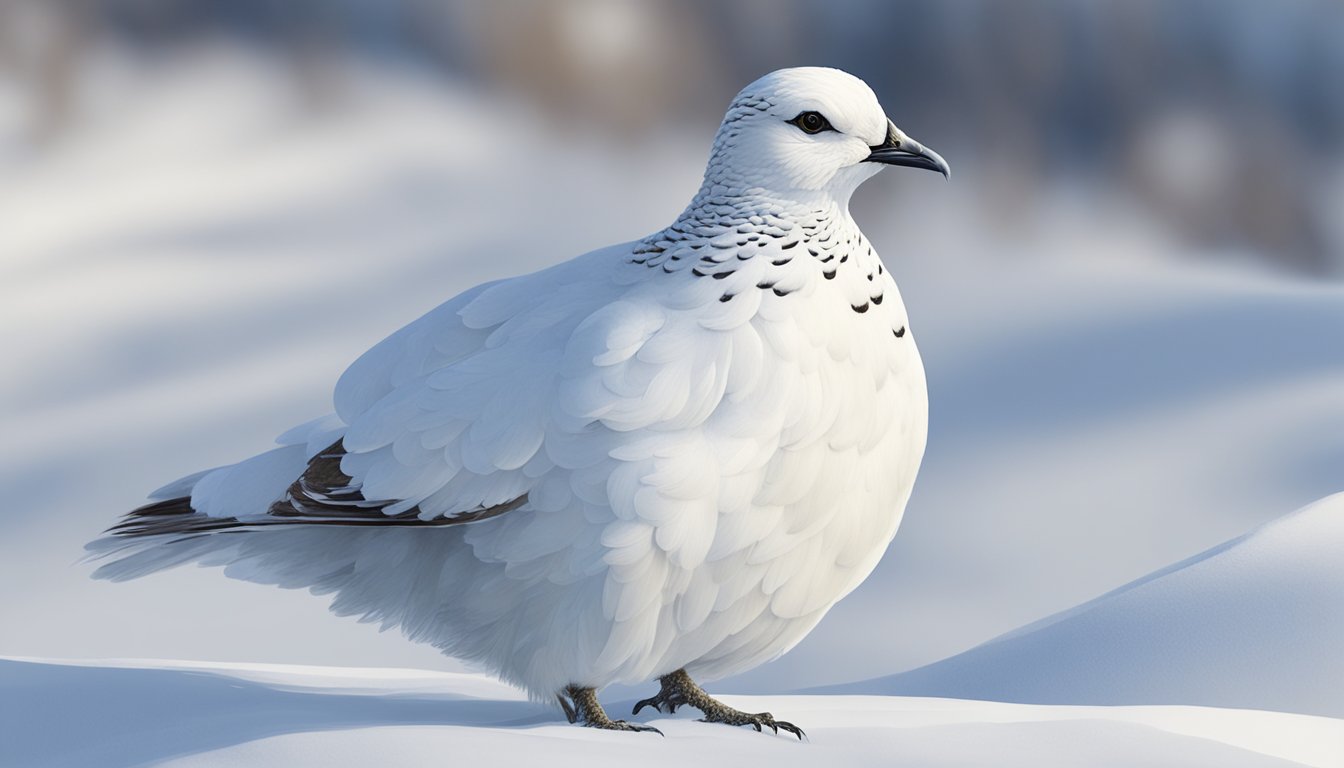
point(165, 714)
point(1257, 622)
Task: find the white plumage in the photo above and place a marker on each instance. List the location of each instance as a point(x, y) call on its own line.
point(699, 441)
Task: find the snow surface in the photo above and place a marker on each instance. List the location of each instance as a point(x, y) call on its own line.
point(180, 714)
point(1257, 623)
point(177, 282)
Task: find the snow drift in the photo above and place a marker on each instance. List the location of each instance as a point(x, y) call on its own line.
point(1257, 622)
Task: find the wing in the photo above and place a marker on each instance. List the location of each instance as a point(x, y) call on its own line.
point(447, 418)
point(462, 414)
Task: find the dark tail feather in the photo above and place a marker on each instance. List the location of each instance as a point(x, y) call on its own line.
point(173, 516)
point(156, 536)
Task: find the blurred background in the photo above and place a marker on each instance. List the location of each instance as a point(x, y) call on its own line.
point(1128, 298)
point(1222, 120)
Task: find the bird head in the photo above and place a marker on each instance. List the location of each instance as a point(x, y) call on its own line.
point(808, 132)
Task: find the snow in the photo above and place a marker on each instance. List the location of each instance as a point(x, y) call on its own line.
point(183, 714)
point(1257, 622)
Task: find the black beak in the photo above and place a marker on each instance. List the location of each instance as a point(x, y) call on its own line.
point(900, 149)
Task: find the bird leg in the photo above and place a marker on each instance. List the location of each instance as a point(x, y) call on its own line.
point(678, 689)
point(581, 706)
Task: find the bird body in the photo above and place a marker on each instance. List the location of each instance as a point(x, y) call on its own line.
point(671, 454)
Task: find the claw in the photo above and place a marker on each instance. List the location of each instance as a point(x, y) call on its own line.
point(679, 689)
point(663, 702)
point(757, 721)
point(621, 725)
point(642, 703)
point(570, 714)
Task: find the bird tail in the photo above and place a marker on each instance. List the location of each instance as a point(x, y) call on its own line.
point(387, 575)
point(186, 518)
point(223, 518)
point(157, 536)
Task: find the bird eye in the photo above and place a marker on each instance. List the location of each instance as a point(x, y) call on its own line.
point(812, 122)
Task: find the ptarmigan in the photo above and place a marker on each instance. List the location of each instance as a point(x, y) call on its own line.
point(661, 459)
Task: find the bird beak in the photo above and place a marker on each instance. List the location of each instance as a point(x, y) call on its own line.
point(900, 149)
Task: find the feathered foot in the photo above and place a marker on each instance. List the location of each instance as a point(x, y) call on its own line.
point(678, 690)
point(582, 706)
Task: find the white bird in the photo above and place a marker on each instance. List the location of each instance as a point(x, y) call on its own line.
point(661, 459)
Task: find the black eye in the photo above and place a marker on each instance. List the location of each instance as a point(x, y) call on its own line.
point(812, 122)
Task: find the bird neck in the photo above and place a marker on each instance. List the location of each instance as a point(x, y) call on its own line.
point(717, 214)
point(718, 228)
